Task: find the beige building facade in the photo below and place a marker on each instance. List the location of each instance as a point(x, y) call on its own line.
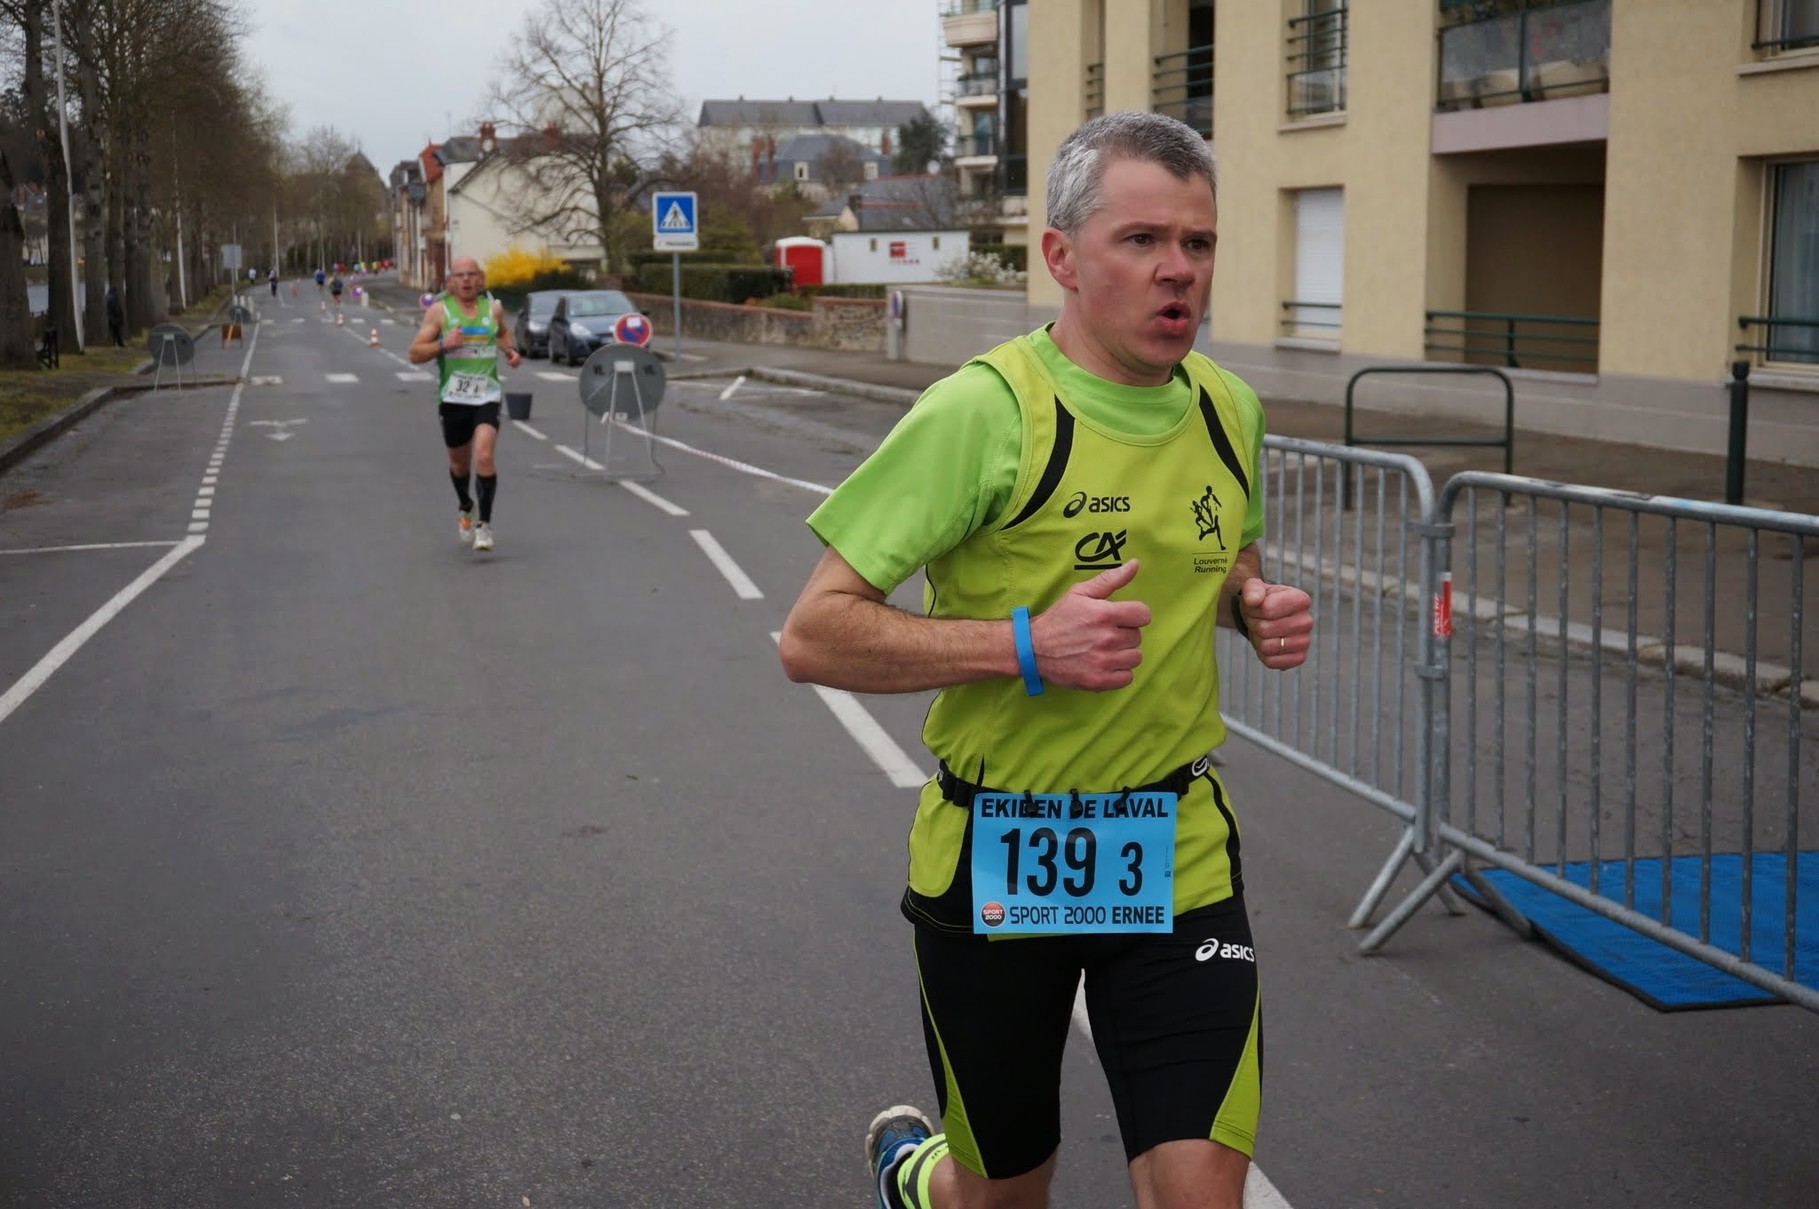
point(1610, 201)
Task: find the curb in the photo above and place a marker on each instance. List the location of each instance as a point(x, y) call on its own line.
point(17, 448)
point(863, 390)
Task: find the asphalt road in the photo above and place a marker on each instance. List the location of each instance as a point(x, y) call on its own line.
point(344, 866)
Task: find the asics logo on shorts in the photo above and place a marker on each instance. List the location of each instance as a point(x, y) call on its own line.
point(1211, 948)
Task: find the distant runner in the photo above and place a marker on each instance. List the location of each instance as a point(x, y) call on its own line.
point(464, 332)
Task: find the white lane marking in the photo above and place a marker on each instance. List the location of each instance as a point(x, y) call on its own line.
point(269, 379)
point(199, 517)
point(342, 378)
point(527, 430)
point(743, 587)
point(416, 375)
point(550, 375)
point(872, 738)
point(60, 654)
point(728, 392)
point(651, 497)
point(566, 452)
point(732, 463)
point(92, 546)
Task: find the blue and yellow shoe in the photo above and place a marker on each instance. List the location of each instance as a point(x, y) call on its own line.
point(892, 1137)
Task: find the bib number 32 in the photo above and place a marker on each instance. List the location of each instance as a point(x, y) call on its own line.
point(1073, 863)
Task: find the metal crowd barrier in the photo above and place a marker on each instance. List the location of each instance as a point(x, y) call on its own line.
point(1349, 526)
point(1589, 720)
point(1614, 688)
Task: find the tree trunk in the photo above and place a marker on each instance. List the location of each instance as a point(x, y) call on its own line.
point(41, 110)
point(141, 305)
point(15, 309)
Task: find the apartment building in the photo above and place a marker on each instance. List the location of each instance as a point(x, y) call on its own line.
point(1611, 201)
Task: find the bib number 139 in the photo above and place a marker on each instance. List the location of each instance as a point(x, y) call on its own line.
point(1073, 863)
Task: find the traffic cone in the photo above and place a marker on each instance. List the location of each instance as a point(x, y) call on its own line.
point(373, 339)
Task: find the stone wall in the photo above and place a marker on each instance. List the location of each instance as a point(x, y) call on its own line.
point(855, 324)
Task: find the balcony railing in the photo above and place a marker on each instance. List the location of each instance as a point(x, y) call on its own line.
point(1181, 85)
point(975, 145)
point(1514, 341)
point(1783, 25)
point(1319, 319)
point(1094, 93)
point(1786, 340)
point(1316, 63)
point(963, 8)
point(1536, 54)
point(979, 84)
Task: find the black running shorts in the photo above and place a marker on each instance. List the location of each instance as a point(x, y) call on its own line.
point(1175, 1019)
point(459, 420)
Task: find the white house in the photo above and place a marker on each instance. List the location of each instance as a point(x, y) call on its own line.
point(893, 230)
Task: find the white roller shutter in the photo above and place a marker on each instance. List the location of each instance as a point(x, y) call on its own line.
point(1319, 261)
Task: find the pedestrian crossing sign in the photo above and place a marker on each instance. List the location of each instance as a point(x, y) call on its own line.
point(673, 223)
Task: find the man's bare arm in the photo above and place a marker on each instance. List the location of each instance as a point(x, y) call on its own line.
point(426, 345)
point(842, 634)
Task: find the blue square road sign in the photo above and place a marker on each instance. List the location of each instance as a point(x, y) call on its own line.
point(673, 222)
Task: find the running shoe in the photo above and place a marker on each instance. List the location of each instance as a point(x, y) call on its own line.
point(483, 536)
point(464, 525)
point(892, 1136)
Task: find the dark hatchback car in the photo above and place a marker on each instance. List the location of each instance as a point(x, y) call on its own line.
point(532, 327)
point(583, 321)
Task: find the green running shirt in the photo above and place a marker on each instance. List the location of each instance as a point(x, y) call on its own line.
point(470, 374)
point(1017, 477)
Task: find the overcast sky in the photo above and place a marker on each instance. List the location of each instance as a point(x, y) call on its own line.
point(395, 74)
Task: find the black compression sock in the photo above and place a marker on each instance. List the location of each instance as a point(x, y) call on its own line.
point(489, 486)
point(460, 482)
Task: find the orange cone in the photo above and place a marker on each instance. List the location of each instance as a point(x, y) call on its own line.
point(373, 339)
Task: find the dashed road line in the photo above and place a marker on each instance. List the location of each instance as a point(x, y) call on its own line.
point(342, 379)
point(872, 738)
point(743, 587)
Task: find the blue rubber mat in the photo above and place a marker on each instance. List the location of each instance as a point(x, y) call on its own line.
point(1662, 977)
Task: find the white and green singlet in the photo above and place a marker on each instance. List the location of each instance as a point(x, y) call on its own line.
point(470, 374)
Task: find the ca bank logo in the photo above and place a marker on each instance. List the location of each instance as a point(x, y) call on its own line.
point(1097, 551)
point(1206, 517)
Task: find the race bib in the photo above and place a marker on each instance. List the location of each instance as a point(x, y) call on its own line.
point(1074, 863)
point(470, 388)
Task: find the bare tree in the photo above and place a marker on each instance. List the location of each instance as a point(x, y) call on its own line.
point(15, 308)
point(590, 79)
point(841, 166)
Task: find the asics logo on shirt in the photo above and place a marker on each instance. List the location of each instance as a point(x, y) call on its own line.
point(1080, 502)
point(1211, 948)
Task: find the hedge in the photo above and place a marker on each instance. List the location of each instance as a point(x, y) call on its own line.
point(568, 278)
point(834, 290)
point(716, 282)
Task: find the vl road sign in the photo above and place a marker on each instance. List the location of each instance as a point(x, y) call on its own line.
point(674, 225)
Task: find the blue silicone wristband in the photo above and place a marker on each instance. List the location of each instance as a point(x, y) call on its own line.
point(1026, 651)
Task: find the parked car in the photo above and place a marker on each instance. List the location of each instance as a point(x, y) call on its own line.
point(532, 327)
point(583, 321)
